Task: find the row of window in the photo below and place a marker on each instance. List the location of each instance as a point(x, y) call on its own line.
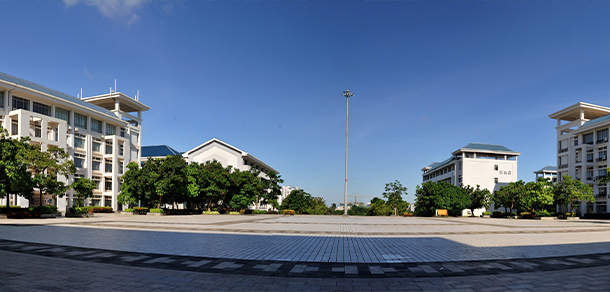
point(80, 121)
point(96, 163)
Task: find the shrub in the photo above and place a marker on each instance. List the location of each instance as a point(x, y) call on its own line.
point(486, 213)
point(288, 212)
point(544, 214)
point(20, 213)
point(511, 214)
point(210, 213)
point(259, 212)
point(524, 213)
point(234, 213)
point(48, 209)
point(156, 211)
point(273, 212)
point(337, 212)
point(407, 214)
point(498, 214)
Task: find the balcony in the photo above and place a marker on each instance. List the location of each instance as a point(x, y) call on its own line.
point(589, 178)
point(599, 177)
point(563, 150)
point(601, 159)
point(589, 159)
point(603, 140)
point(601, 196)
point(563, 166)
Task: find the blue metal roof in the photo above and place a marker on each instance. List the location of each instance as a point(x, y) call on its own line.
point(595, 121)
point(490, 147)
point(38, 87)
point(158, 150)
point(440, 164)
point(547, 168)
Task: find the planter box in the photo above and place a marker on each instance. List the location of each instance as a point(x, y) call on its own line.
point(155, 214)
point(572, 218)
point(54, 215)
point(546, 218)
point(486, 216)
point(128, 213)
point(86, 215)
point(513, 217)
point(3, 216)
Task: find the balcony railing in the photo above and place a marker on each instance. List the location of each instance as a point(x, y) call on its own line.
point(603, 140)
point(589, 160)
point(589, 178)
point(578, 161)
point(563, 150)
point(600, 177)
point(601, 196)
point(601, 159)
point(563, 166)
point(590, 142)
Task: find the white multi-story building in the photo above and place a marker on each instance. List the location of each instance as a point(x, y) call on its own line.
point(101, 133)
point(489, 166)
point(549, 172)
point(582, 149)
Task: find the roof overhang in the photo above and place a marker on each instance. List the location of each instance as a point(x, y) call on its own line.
point(572, 113)
point(461, 150)
point(127, 103)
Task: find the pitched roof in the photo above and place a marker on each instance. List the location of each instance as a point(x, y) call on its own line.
point(595, 121)
point(158, 150)
point(437, 165)
point(61, 95)
point(547, 168)
point(490, 147)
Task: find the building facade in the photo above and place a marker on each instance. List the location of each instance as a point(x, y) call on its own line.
point(582, 149)
point(487, 165)
point(101, 133)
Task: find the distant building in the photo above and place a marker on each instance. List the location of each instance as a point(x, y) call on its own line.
point(487, 165)
point(547, 172)
point(218, 150)
point(582, 149)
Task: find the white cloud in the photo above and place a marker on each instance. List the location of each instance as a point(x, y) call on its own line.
point(120, 10)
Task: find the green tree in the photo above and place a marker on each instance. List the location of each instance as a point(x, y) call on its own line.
point(47, 166)
point(208, 182)
point(272, 188)
point(393, 193)
point(509, 196)
point(570, 192)
point(172, 181)
point(297, 200)
point(245, 187)
point(479, 198)
point(131, 185)
point(317, 206)
point(84, 189)
point(440, 195)
point(15, 177)
point(538, 195)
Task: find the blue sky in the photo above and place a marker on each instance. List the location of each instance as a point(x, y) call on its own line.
point(428, 77)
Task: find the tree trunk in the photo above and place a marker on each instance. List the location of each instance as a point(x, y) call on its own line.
point(160, 199)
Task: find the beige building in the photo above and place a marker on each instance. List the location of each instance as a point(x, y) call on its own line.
point(487, 165)
point(582, 149)
point(101, 133)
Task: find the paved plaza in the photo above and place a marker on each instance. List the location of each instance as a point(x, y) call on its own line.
point(273, 252)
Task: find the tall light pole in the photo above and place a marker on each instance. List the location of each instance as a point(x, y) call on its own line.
point(347, 95)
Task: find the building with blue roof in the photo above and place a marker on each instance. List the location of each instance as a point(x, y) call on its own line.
point(582, 149)
point(490, 166)
point(548, 171)
point(101, 133)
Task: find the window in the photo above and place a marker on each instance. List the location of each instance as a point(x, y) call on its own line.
point(14, 128)
point(495, 180)
point(96, 126)
point(120, 167)
point(37, 130)
point(80, 121)
point(96, 145)
point(121, 149)
point(587, 138)
point(79, 141)
point(108, 184)
point(2, 99)
point(460, 179)
point(62, 114)
point(108, 147)
point(110, 129)
point(123, 132)
point(599, 208)
point(42, 109)
point(589, 157)
point(97, 181)
point(96, 164)
point(602, 136)
point(469, 155)
point(460, 165)
point(134, 138)
point(495, 167)
point(79, 160)
point(21, 103)
point(108, 166)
